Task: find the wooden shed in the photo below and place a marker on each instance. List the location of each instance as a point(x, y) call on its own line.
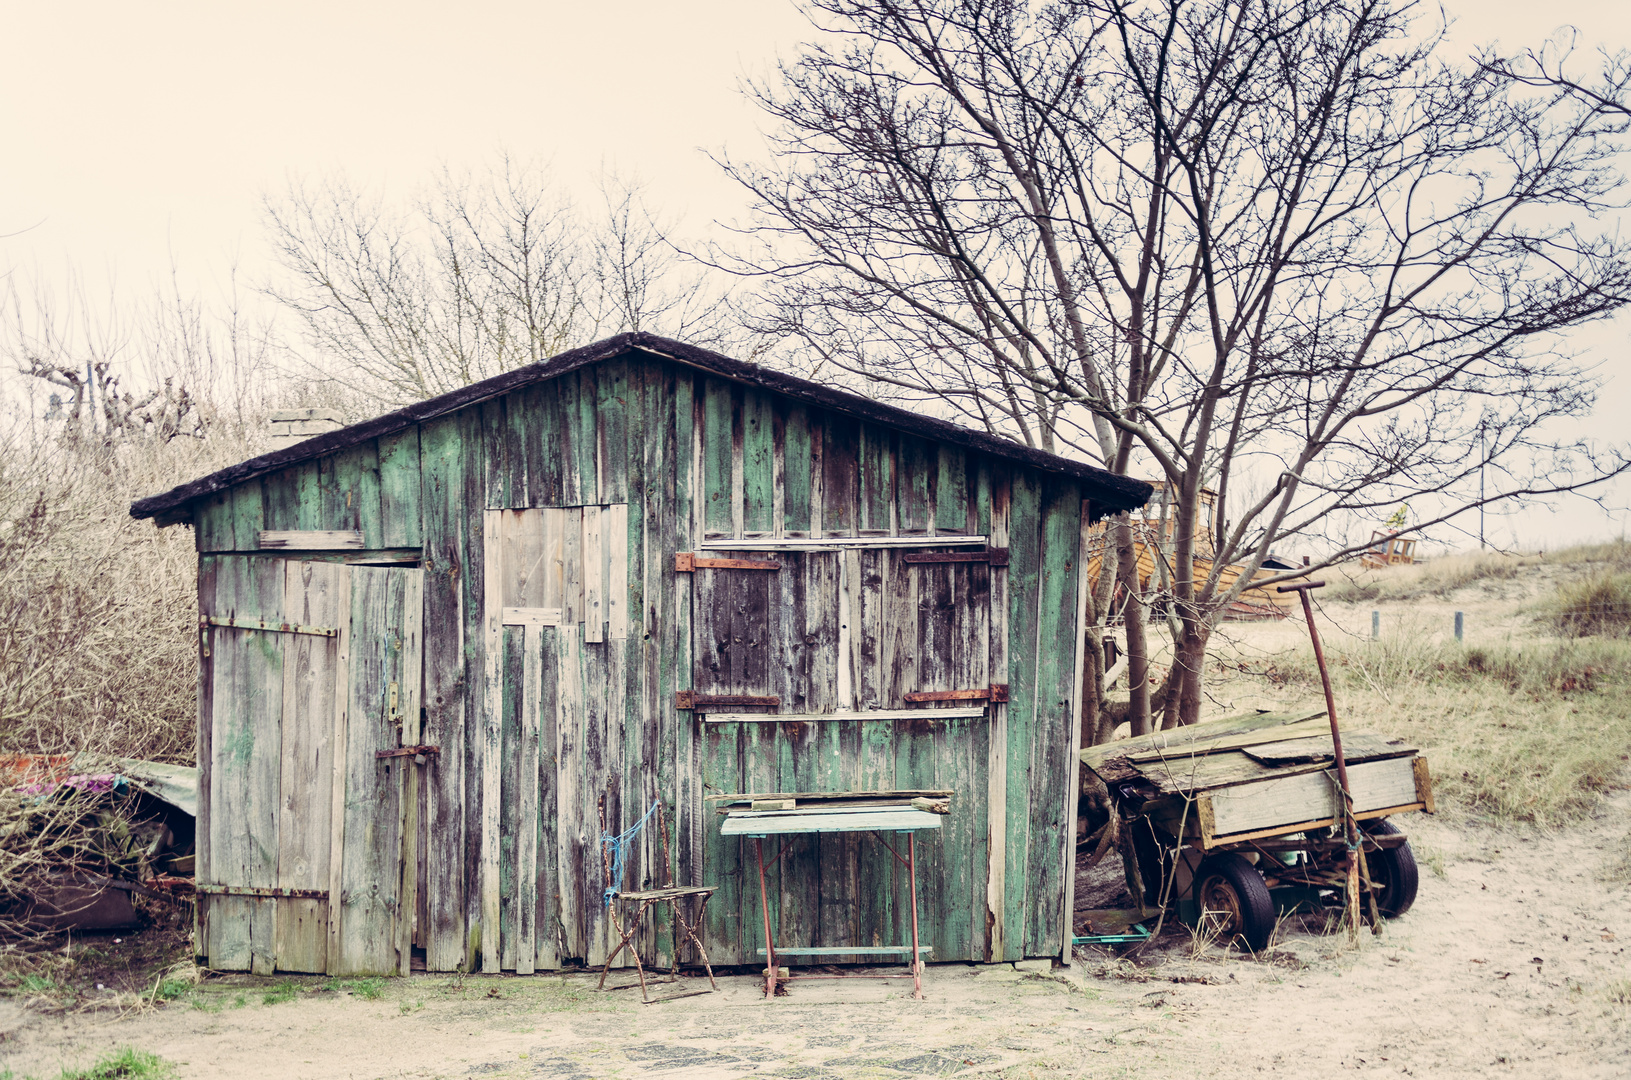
point(577, 588)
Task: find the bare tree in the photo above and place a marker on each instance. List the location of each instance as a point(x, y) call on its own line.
point(479, 276)
point(1282, 249)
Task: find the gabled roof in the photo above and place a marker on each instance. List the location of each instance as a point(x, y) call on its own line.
point(1109, 493)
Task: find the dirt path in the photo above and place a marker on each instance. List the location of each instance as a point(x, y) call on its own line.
point(1512, 963)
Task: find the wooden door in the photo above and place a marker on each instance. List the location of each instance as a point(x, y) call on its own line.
point(841, 638)
point(556, 742)
point(308, 669)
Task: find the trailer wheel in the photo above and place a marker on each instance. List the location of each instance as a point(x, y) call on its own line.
point(1392, 871)
point(1233, 901)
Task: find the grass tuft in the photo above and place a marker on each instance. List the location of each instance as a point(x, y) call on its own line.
point(126, 1064)
point(1597, 606)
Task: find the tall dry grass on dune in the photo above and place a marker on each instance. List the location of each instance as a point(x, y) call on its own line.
point(98, 642)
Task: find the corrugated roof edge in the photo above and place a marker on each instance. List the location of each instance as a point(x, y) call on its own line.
point(1111, 493)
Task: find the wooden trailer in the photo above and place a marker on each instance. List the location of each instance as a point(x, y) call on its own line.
point(1241, 816)
point(437, 646)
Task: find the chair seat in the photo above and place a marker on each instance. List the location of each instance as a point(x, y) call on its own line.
point(669, 893)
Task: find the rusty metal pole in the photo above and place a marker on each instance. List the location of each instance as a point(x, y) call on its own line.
point(764, 909)
point(911, 876)
point(1350, 826)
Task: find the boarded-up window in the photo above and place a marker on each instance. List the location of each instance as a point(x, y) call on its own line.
point(573, 560)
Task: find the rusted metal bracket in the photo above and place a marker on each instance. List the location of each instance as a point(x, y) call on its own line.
point(996, 556)
point(996, 692)
point(208, 621)
point(251, 890)
point(276, 628)
point(408, 751)
point(686, 562)
point(689, 699)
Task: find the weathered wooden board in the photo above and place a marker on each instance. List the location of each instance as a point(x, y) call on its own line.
point(313, 591)
point(1289, 800)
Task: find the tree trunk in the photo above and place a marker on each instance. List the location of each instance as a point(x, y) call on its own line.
point(1133, 615)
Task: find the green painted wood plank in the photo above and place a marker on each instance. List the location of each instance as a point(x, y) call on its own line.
point(370, 880)
point(877, 480)
point(308, 495)
point(548, 919)
point(717, 420)
point(798, 440)
point(1024, 593)
point(679, 655)
point(356, 494)
point(446, 519)
point(758, 462)
point(280, 499)
point(208, 572)
point(496, 449)
point(839, 473)
point(474, 478)
point(213, 523)
point(580, 398)
point(612, 416)
point(248, 515)
point(915, 465)
point(398, 455)
point(1052, 748)
point(509, 814)
point(951, 490)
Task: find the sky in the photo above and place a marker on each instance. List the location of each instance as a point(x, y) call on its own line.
point(140, 137)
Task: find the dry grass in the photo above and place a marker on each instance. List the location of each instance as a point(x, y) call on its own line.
point(1439, 577)
point(1532, 732)
point(1598, 605)
point(97, 611)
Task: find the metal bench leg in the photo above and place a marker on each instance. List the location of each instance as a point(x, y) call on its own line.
point(911, 877)
point(764, 908)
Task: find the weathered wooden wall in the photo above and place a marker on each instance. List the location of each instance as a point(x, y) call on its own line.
point(698, 459)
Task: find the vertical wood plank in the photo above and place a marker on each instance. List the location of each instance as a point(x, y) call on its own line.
point(246, 746)
point(446, 527)
point(410, 912)
point(337, 816)
point(716, 458)
point(839, 479)
point(997, 513)
point(615, 524)
point(398, 489)
point(1073, 770)
point(577, 888)
point(526, 872)
point(547, 922)
point(248, 515)
point(915, 461)
point(594, 568)
point(612, 389)
point(1053, 746)
point(951, 489)
point(758, 463)
point(314, 594)
point(1024, 591)
point(212, 523)
point(492, 732)
point(877, 481)
point(208, 572)
point(797, 470)
point(370, 933)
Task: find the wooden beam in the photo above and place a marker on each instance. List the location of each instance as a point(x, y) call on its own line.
point(993, 556)
point(839, 543)
point(531, 616)
point(686, 562)
point(994, 692)
point(310, 539)
point(689, 699)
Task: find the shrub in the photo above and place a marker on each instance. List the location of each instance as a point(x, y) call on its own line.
point(1599, 606)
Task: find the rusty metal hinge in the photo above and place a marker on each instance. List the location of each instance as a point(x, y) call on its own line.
point(418, 753)
point(689, 699)
point(686, 562)
point(996, 692)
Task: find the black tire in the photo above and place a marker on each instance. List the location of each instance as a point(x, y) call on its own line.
point(1392, 871)
point(1233, 900)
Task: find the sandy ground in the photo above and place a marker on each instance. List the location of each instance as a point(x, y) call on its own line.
point(1513, 962)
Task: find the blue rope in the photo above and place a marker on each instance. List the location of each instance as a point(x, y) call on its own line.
point(618, 843)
